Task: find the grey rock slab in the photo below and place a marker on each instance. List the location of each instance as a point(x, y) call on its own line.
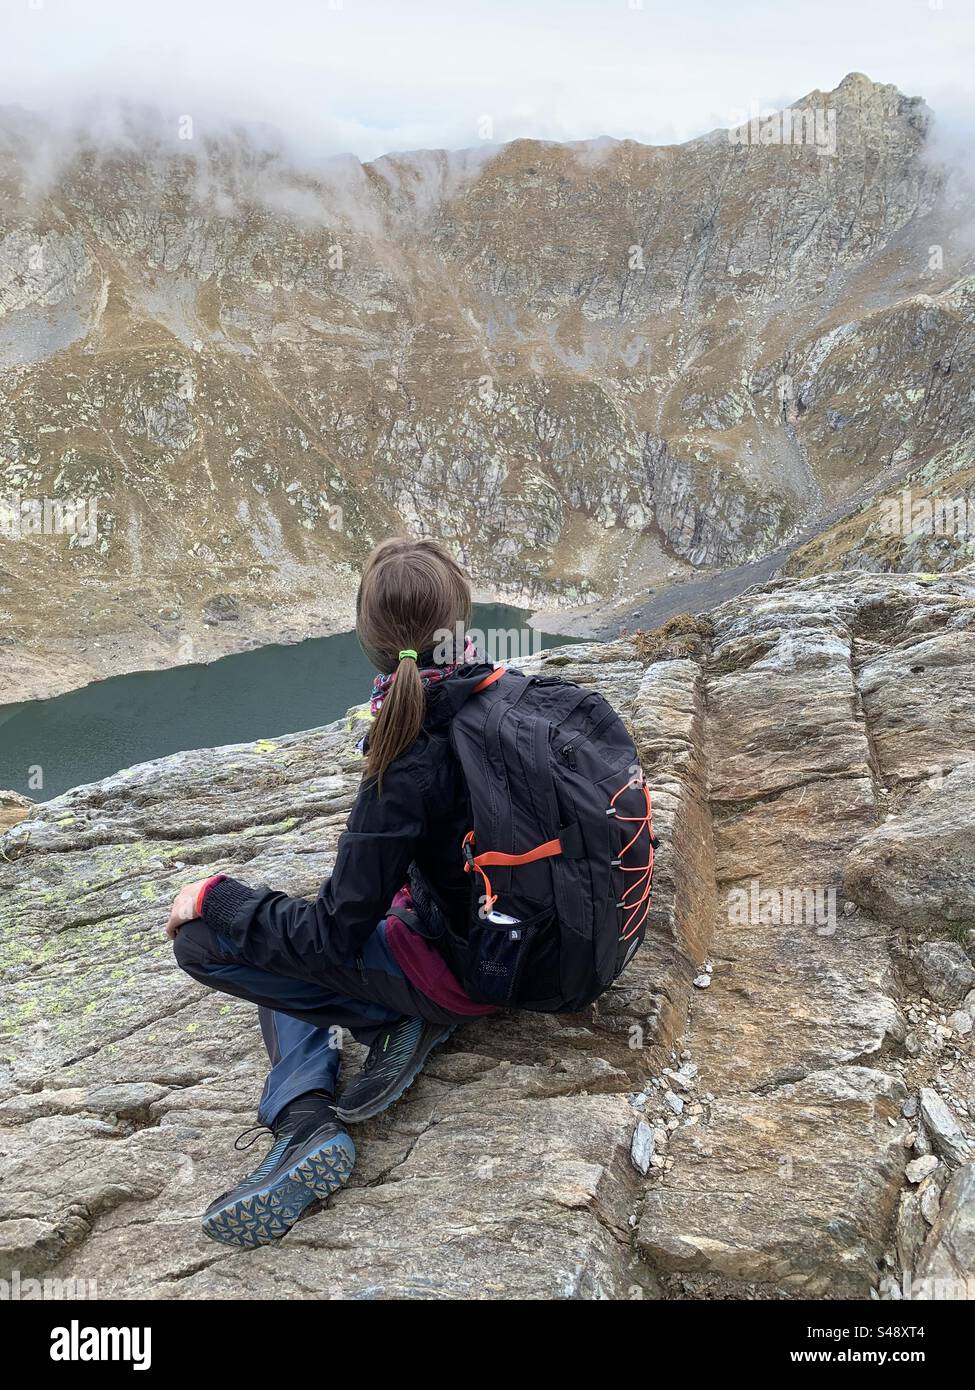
point(919, 866)
point(947, 1136)
point(792, 1191)
point(946, 1268)
point(945, 968)
point(642, 1147)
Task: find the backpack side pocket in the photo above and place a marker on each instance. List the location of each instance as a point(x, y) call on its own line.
point(496, 955)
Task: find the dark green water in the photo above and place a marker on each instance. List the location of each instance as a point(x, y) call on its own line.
point(90, 733)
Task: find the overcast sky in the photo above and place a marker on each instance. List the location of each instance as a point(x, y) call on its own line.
point(372, 76)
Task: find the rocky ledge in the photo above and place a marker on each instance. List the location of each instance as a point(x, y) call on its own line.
point(777, 1100)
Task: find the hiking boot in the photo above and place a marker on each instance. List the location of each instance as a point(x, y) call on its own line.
point(311, 1157)
point(395, 1060)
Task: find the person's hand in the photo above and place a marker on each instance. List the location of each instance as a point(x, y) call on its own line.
point(183, 908)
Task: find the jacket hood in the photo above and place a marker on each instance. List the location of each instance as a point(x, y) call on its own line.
point(446, 697)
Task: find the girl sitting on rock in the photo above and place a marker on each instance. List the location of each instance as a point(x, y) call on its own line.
point(402, 944)
point(352, 959)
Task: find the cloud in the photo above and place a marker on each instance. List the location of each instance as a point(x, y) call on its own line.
point(373, 76)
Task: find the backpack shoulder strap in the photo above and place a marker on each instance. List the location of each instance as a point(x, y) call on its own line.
point(495, 675)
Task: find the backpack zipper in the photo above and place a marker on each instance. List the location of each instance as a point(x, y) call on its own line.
point(568, 750)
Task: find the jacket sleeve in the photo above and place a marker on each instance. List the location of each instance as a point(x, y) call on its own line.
point(275, 932)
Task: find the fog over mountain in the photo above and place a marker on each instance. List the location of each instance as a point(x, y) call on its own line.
point(375, 76)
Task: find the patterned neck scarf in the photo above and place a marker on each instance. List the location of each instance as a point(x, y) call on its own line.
point(429, 675)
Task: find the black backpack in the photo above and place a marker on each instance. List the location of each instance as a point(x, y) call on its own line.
point(561, 847)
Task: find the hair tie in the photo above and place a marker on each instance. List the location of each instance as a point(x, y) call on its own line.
point(407, 651)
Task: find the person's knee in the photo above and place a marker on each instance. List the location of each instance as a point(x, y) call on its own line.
point(189, 948)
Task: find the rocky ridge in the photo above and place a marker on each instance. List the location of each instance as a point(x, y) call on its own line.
point(776, 1100)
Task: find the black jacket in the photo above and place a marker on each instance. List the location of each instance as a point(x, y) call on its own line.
point(414, 828)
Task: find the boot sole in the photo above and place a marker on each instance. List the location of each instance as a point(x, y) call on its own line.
point(402, 1085)
point(268, 1213)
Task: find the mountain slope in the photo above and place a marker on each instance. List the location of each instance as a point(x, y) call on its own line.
point(580, 366)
